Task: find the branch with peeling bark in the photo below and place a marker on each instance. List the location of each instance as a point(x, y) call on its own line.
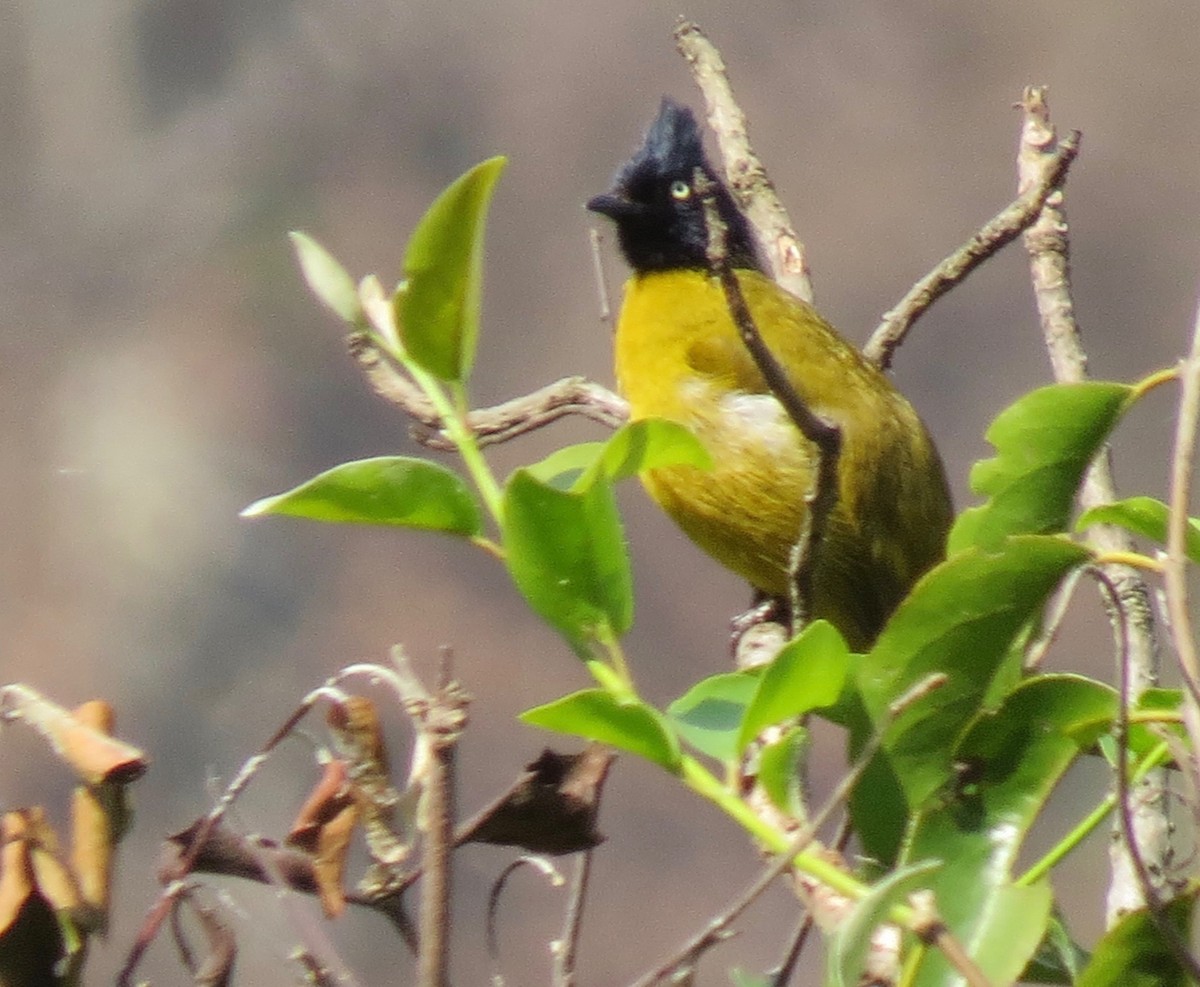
point(745, 174)
point(569, 396)
point(1047, 242)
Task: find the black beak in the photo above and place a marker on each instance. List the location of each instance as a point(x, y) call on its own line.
point(614, 205)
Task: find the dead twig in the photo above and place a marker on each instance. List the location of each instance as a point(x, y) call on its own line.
point(569, 396)
point(745, 174)
point(1148, 886)
point(999, 231)
point(825, 436)
point(440, 723)
point(1047, 241)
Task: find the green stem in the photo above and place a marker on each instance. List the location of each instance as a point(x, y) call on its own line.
point(704, 783)
point(1156, 379)
point(463, 438)
point(453, 419)
point(1090, 822)
point(616, 654)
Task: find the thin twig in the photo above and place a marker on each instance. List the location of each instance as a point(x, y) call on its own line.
point(594, 239)
point(568, 944)
point(1000, 230)
point(745, 175)
point(717, 929)
point(441, 725)
point(1060, 603)
point(539, 863)
point(1175, 574)
point(519, 416)
point(799, 938)
point(824, 435)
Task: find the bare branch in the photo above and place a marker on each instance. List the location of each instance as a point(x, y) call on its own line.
point(824, 435)
point(1148, 887)
point(569, 396)
point(1175, 573)
point(999, 231)
point(441, 723)
point(1047, 241)
point(568, 944)
point(745, 175)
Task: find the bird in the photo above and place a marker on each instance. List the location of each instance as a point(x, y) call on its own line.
point(678, 355)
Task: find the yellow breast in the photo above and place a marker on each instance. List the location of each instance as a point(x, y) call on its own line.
point(678, 356)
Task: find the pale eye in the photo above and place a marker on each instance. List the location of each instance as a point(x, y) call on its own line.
point(680, 190)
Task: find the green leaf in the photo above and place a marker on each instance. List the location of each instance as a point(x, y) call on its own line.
point(650, 443)
point(1008, 763)
point(1133, 953)
point(327, 278)
point(388, 490)
point(851, 942)
point(564, 467)
point(779, 765)
point(1044, 442)
point(596, 714)
point(1004, 932)
point(808, 673)
point(566, 553)
point(1059, 959)
point(709, 715)
point(641, 445)
point(1142, 516)
point(956, 627)
point(439, 312)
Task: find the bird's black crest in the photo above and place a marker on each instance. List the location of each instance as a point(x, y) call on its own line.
point(660, 221)
point(672, 148)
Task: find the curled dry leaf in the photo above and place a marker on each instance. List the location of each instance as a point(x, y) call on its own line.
point(225, 852)
point(95, 757)
point(329, 862)
point(552, 808)
point(329, 797)
point(16, 869)
point(51, 875)
point(31, 935)
point(323, 828)
point(355, 724)
point(98, 818)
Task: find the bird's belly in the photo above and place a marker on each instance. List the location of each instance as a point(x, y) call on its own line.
point(748, 510)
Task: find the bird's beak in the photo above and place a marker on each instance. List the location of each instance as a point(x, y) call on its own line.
point(614, 205)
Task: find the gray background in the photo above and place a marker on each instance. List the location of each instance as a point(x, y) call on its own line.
point(161, 366)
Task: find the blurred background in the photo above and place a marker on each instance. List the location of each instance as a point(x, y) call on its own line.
point(162, 366)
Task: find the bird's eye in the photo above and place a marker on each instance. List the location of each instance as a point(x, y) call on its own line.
point(680, 190)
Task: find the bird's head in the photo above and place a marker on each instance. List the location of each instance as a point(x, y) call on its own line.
point(658, 211)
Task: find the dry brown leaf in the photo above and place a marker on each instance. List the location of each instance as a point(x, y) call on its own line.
point(329, 861)
point(331, 794)
point(97, 817)
point(16, 868)
point(94, 756)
